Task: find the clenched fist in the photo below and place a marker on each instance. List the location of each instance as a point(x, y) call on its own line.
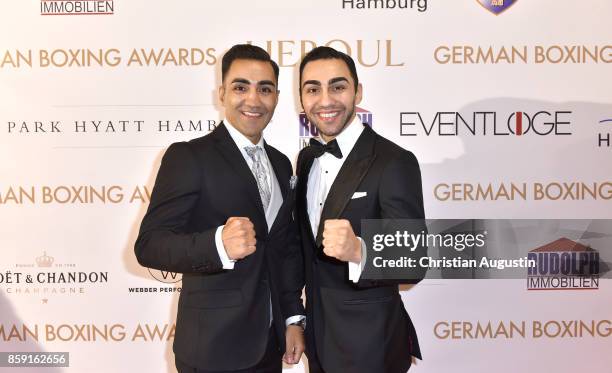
point(340, 242)
point(238, 237)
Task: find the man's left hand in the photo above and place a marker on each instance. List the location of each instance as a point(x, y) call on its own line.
point(340, 242)
point(294, 338)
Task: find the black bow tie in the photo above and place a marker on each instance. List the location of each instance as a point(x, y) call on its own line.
point(331, 148)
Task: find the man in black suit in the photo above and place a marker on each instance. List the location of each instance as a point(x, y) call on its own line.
point(353, 325)
point(220, 213)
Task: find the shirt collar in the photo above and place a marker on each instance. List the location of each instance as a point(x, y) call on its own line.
point(241, 140)
point(348, 137)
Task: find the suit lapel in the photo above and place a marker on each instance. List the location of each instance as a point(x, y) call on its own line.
point(229, 150)
point(349, 177)
point(302, 172)
point(282, 176)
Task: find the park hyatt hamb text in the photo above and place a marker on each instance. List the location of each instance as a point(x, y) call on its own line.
point(111, 126)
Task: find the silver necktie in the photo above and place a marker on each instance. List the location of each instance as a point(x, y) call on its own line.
point(260, 173)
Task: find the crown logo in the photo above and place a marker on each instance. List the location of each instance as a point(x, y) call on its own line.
point(44, 260)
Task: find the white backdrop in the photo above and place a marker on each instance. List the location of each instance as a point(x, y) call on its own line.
point(72, 201)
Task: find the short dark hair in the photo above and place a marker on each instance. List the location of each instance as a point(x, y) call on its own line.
point(328, 53)
point(245, 52)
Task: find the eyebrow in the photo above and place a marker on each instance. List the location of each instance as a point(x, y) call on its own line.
point(331, 81)
point(266, 82)
point(260, 83)
point(339, 79)
point(313, 82)
point(241, 80)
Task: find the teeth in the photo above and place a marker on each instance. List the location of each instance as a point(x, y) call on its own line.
point(328, 115)
point(250, 114)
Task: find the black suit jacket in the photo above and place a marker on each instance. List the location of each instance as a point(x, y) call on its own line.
point(223, 315)
point(363, 327)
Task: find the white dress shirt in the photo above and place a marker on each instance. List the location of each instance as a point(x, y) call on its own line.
point(276, 200)
point(320, 179)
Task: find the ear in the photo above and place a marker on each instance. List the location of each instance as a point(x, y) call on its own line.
point(358, 94)
point(221, 93)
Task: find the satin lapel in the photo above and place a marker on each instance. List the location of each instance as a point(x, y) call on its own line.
point(351, 173)
point(302, 187)
point(229, 150)
point(282, 176)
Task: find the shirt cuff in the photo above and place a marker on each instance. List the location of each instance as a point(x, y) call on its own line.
point(225, 260)
point(355, 269)
point(292, 319)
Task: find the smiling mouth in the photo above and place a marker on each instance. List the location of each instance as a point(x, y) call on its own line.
point(328, 116)
point(251, 114)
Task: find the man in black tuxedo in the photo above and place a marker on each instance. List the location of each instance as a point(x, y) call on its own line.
point(353, 325)
point(220, 213)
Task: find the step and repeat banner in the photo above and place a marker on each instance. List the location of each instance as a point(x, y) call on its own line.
point(506, 104)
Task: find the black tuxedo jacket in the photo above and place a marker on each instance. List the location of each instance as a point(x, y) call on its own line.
point(223, 315)
point(363, 327)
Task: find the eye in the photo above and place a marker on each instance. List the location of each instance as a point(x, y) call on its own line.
point(265, 90)
point(311, 90)
point(338, 88)
point(239, 88)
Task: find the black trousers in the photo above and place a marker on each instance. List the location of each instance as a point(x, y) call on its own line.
point(313, 364)
point(271, 362)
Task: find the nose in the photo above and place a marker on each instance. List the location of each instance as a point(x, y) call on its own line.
point(252, 97)
point(325, 98)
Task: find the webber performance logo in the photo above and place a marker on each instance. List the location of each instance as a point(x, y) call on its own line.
point(165, 276)
point(173, 279)
point(563, 265)
point(74, 8)
point(309, 130)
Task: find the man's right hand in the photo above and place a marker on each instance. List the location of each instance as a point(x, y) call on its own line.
point(238, 237)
